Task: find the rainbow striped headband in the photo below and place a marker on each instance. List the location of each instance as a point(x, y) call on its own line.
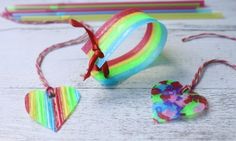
point(111, 35)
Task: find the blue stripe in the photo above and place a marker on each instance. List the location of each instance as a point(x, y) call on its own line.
point(113, 46)
point(199, 10)
point(51, 113)
point(47, 112)
point(77, 94)
point(116, 79)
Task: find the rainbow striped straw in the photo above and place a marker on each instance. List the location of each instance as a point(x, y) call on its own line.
point(62, 12)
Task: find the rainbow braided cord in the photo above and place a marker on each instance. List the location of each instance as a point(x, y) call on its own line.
point(111, 35)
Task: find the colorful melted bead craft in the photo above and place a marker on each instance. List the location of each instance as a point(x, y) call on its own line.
point(173, 101)
point(169, 102)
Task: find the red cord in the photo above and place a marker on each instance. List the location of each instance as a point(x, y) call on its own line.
point(97, 52)
point(205, 35)
point(92, 63)
point(46, 51)
point(199, 74)
point(79, 40)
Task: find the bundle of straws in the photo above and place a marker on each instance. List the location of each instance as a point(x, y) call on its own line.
point(62, 12)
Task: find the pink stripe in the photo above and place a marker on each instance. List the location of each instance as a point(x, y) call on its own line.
point(104, 9)
point(201, 2)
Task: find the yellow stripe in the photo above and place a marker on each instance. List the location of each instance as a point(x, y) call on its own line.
point(117, 27)
point(18, 8)
point(64, 102)
point(34, 110)
point(31, 104)
point(114, 70)
point(103, 17)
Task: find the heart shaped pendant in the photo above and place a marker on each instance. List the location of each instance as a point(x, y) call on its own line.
point(170, 103)
point(52, 112)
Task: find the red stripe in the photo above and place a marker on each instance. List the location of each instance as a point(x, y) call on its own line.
point(56, 113)
point(176, 85)
point(135, 50)
point(203, 100)
point(57, 109)
point(201, 2)
point(155, 121)
point(163, 82)
point(106, 26)
point(165, 97)
point(163, 117)
point(189, 99)
point(155, 91)
point(27, 106)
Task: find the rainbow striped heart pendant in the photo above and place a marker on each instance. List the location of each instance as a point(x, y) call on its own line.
point(52, 112)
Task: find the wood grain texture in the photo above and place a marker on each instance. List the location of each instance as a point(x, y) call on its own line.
point(121, 112)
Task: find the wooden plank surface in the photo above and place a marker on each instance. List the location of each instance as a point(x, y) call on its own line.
point(121, 112)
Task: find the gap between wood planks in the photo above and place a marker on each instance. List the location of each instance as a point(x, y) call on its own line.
point(187, 28)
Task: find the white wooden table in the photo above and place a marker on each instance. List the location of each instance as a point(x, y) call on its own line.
point(122, 112)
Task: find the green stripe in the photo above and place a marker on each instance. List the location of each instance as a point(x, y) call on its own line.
point(119, 28)
point(38, 106)
point(73, 96)
point(43, 109)
point(68, 99)
point(155, 39)
point(45, 105)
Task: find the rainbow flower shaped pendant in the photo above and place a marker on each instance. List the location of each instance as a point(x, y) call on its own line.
point(169, 103)
point(52, 112)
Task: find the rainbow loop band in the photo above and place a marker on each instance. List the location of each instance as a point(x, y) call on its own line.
point(111, 35)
